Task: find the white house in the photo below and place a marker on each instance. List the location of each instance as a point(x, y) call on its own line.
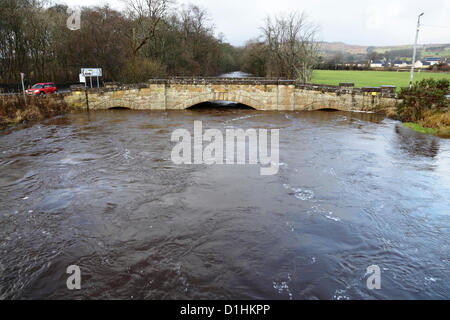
point(377, 64)
point(433, 61)
point(422, 65)
point(400, 64)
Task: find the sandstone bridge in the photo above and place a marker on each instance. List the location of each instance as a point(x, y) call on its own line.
point(258, 93)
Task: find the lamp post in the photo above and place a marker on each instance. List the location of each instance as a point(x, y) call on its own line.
point(415, 51)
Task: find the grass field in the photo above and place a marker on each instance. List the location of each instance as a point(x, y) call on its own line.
point(372, 78)
point(442, 54)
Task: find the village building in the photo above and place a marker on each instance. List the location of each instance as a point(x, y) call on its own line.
point(422, 64)
point(377, 64)
point(400, 64)
point(433, 61)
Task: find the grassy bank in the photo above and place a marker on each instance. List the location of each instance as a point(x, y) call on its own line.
point(418, 128)
point(372, 78)
point(436, 124)
point(424, 107)
point(14, 110)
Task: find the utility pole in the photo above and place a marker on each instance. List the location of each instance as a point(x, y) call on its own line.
point(415, 51)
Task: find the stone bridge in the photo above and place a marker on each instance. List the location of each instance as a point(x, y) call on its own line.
point(258, 93)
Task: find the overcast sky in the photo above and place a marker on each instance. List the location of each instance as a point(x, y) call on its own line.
point(359, 22)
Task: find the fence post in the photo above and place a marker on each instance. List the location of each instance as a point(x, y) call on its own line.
point(87, 98)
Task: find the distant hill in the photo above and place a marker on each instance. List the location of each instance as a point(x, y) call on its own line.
point(428, 50)
point(340, 47)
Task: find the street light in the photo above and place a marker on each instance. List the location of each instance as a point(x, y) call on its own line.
point(415, 51)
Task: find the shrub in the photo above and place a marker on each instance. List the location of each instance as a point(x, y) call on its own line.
point(441, 67)
point(14, 110)
point(425, 97)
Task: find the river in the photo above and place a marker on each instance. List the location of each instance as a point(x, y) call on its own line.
point(99, 191)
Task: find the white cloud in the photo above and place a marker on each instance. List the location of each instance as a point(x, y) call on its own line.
point(382, 22)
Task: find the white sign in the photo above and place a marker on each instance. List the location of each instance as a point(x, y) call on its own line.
point(91, 72)
point(82, 78)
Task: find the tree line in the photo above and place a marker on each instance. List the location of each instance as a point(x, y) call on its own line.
point(150, 39)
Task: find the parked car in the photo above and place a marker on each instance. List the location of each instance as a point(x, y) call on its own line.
point(42, 88)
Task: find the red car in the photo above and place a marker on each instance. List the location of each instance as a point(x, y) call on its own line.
point(42, 88)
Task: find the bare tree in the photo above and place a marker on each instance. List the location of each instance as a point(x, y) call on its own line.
point(195, 19)
point(293, 47)
point(147, 15)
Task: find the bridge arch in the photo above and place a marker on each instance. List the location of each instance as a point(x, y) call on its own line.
point(219, 96)
point(118, 108)
point(220, 105)
point(328, 109)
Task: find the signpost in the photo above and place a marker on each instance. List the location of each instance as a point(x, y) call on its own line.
point(91, 73)
point(22, 76)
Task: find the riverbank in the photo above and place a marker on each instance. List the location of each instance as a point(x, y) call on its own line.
point(436, 124)
point(425, 107)
point(14, 110)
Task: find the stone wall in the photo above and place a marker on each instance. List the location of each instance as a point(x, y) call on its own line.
point(261, 94)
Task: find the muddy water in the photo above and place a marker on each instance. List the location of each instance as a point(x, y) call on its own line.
point(100, 191)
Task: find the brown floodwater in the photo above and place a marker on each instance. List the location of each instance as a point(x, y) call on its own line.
point(99, 191)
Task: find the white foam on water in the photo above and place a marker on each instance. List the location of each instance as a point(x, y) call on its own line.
point(69, 161)
point(241, 118)
point(333, 218)
point(181, 277)
point(359, 111)
point(340, 295)
point(290, 226)
point(126, 155)
point(332, 172)
point(328, 215)
point(304, 195)
point(299, 193)
point(431, 279)
point(282, 287)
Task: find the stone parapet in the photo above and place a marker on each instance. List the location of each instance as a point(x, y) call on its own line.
point(260, 93)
